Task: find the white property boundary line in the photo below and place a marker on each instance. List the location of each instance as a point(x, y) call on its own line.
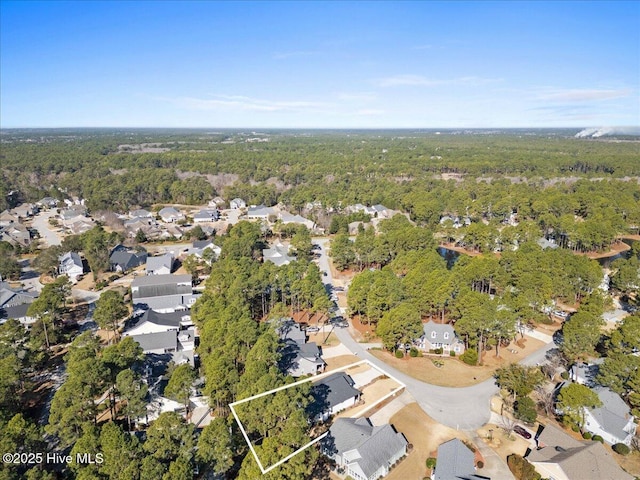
point(299, 382)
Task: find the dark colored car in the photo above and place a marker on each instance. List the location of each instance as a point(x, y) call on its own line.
point(522, 432)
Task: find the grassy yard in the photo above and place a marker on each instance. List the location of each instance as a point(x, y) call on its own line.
point(453, 372)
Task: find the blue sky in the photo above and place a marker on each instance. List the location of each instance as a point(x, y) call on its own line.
point(325, 64)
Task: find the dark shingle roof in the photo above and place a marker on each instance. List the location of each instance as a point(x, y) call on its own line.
point(334, 389)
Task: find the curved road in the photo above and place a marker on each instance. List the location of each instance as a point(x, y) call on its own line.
point(465, 408)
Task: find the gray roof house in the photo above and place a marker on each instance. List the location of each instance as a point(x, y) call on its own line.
point(14, 303)
point(154, 322)
point(613, 420)
point(287, 329)
point(455, 462)
point(560, 456)
point(261, 212)
point(162, 333)
point(161, 265)
point(278, 255)
point(71, 266)
point(333, 394)
point(300, 359)
point(585, 373)
point(237, 203)
point(207, 215)
point(170, 214)
point(199, 246)
point(440, 335)
point(48, 202)
point(287, 218)
point(365, 451)
point(123, 259)
point(163, 293)
point(15, 234)
point(140, 213)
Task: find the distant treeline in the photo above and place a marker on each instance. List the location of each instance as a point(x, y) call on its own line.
point(333, 167)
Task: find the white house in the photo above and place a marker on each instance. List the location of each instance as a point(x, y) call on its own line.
point(170, 215)
point(438, 335)
point(71, 266)
point(261, 212)
point(613, 420)
point(161, 265)
point(206, 215)
point(237, 203)
point(365, 451)
point(278, 254)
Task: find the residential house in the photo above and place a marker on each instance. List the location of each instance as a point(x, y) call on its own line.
point(278, 254)
point(585, 373)
point(261, 212)
point(455, 462)
point(287, 329)
point(170, 215)
point(15, 234)
point(332, 394)
point(165, 333)
point(207, 215)
point(71, 266)
point(300, 359)
point(140, 213)
point(79, 224)
point(138, 223)
point(123, 259)
point(155, 322)
point(613, 420)
point(365, 451)
point(216, 202)
point(24, 211)
point(237, 203)
point(47, 202)
point(7, 218)
point(162, 265)
point(287, 218)
point(199, 247)
point(561, 457)
point(171, 231)
point(163, 293)
point(440, 335)
point(14, 303)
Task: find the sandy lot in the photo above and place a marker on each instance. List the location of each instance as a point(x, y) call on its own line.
point(455, 373)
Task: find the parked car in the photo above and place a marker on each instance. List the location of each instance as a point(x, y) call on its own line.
point(522, 432)
point(312, 329)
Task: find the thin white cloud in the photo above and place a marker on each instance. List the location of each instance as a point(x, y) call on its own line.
point(242, 103)
point(357, 96)
point(583, 95)
point(422, 81)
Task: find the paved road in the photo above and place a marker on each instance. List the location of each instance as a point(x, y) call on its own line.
point(41, 223)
